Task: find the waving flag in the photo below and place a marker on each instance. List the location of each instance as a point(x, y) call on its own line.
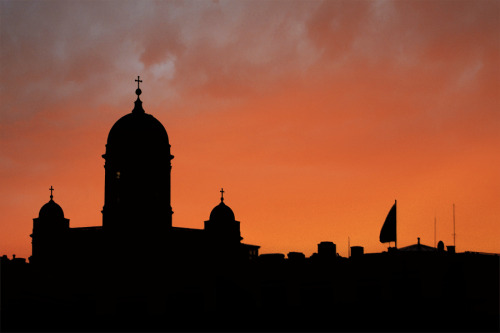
point(388, 232)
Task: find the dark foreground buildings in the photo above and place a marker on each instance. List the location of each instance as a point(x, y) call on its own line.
point(137, 272)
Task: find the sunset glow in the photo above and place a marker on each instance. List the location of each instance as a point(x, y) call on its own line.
point(313, 116)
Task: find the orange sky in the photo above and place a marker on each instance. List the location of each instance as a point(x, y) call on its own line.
point(314, 116)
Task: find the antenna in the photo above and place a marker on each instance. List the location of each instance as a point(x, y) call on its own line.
point(434, 230)
point(454, 234)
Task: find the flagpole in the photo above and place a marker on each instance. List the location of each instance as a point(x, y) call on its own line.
point(396, 238)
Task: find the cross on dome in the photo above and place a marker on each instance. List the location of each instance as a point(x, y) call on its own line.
point(138, 81)
point(221, 194)
point(51, 189)
point(138, 91)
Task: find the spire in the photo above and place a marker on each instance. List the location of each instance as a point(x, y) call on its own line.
point(51, 189)
point(138, 102)
point(221, 195)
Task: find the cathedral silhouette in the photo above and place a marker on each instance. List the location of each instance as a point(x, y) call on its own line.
point(137, 212)
point(138, 272)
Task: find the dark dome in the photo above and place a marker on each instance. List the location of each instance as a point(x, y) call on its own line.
point(51, 210)
point(137, 129)
point(222, 213)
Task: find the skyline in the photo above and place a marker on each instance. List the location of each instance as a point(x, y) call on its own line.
point(313, 116)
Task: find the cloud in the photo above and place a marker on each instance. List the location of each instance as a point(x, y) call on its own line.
point(361, 60)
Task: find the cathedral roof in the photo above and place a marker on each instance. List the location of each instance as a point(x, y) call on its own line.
point(137, 129)
point(222, 212)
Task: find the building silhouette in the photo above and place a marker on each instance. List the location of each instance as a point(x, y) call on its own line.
point(138, 272)
point(137, 212)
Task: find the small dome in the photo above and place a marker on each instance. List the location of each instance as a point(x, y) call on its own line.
point(51, 210)
point(222, 212)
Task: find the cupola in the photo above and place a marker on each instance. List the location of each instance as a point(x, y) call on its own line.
point(51, 216)
point(222, 223)
point(222, 212)
point(51, 210)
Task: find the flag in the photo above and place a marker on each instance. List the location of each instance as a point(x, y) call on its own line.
point(388, 232)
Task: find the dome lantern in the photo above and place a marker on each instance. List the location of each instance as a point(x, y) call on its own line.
point(138, 103)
